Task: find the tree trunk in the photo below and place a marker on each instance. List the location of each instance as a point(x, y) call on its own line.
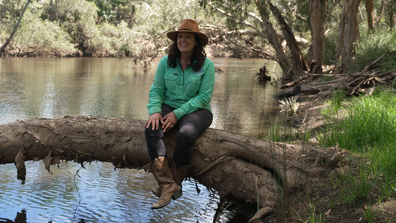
point(370, 14)
point(15, 29)
point(315, 17)
point(325, 12)
point(392, 20)
point(232, 164)
point(52, 10)
point(298, 61)
point(348, 33)
point(273, 36)
point(391, 13)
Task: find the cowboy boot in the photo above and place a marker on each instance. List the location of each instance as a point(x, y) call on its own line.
point(163, 176)
point(178, 177)
point(157, 191)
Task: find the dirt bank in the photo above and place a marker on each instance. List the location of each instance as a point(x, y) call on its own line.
point(321, 200)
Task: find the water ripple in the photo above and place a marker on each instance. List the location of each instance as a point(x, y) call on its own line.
point(107, 195)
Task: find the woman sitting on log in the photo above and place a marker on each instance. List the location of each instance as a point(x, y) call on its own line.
point(179, 97)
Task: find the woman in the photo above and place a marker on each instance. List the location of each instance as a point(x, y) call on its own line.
point(179, 97)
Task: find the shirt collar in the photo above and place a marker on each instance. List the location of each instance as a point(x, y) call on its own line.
point(190, 65)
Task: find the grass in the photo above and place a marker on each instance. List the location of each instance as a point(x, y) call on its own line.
point(369, 130)
point(366, 127)
point(373, 45)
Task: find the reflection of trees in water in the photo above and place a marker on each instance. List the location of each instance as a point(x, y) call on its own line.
point(20, 218)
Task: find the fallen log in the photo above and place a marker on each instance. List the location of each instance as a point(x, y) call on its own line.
point(232, 164)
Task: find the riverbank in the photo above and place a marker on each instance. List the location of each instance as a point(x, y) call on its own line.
point(353, 191)
point(212, 51)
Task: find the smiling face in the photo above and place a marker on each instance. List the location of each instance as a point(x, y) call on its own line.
point(186, 42)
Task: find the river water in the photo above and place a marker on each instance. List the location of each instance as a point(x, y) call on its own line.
point(53, 88)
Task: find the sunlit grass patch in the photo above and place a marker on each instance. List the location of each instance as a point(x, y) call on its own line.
point(371, 46)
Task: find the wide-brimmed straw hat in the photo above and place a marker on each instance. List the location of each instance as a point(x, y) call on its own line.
point(188, 26)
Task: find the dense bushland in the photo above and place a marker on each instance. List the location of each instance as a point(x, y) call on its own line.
point(129, 28)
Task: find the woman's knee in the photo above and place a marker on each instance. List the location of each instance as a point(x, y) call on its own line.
point(187, 133)
point(150, 133)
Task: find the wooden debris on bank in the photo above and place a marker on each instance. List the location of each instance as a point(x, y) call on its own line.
point(360, 82)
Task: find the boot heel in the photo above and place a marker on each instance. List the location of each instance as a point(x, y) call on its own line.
point(177, 194)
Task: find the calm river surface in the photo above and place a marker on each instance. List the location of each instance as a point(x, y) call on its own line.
point(53, 88)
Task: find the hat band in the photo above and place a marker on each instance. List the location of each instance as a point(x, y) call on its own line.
point(186, 29)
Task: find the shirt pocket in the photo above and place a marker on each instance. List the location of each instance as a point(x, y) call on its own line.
point(171, 82)
point(193, 84)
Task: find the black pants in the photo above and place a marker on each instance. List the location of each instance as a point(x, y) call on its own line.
point(190, 127)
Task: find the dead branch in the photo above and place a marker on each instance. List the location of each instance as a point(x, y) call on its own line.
point(351, 83)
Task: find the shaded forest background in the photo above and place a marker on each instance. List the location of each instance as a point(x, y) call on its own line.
point(301, 35)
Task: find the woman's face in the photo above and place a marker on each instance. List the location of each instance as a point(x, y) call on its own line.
point(186, 42)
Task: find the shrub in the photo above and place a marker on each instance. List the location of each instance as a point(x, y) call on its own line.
point(37, 38)
point(373, 45)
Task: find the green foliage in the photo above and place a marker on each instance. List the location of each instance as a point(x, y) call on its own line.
point(41, 38)
point(373, 45)
point(330, 48)
point(10, 11)
point(116, 11)
point(78, 18)
point(335, 103)
point(368, 129)
point(313, 216)
point(370, 122)
point(369, 215)
point(88, 22)
point(96, 28)
point(296, 12)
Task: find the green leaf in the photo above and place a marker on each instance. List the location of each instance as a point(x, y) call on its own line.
point(35, 5)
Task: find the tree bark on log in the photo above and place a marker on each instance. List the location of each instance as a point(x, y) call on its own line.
point(232, 164)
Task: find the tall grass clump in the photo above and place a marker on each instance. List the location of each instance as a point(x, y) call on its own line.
point(371, 123)
point(371, 46)
point(335, 103)
point(369, 128)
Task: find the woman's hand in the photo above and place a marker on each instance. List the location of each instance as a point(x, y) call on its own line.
point(154, 120)
point(169, 121)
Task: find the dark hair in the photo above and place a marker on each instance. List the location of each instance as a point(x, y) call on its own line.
point(198, 54)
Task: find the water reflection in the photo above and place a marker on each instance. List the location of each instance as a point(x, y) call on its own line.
point(53, 88)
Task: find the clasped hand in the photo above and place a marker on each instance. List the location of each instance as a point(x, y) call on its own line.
point(168, 121)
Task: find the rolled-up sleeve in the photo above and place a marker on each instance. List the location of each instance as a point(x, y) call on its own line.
point(157, 90)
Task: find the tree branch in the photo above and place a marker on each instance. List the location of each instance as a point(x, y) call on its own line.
point(15, 28)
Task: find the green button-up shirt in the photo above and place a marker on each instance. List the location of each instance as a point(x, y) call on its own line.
point(186, 91)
